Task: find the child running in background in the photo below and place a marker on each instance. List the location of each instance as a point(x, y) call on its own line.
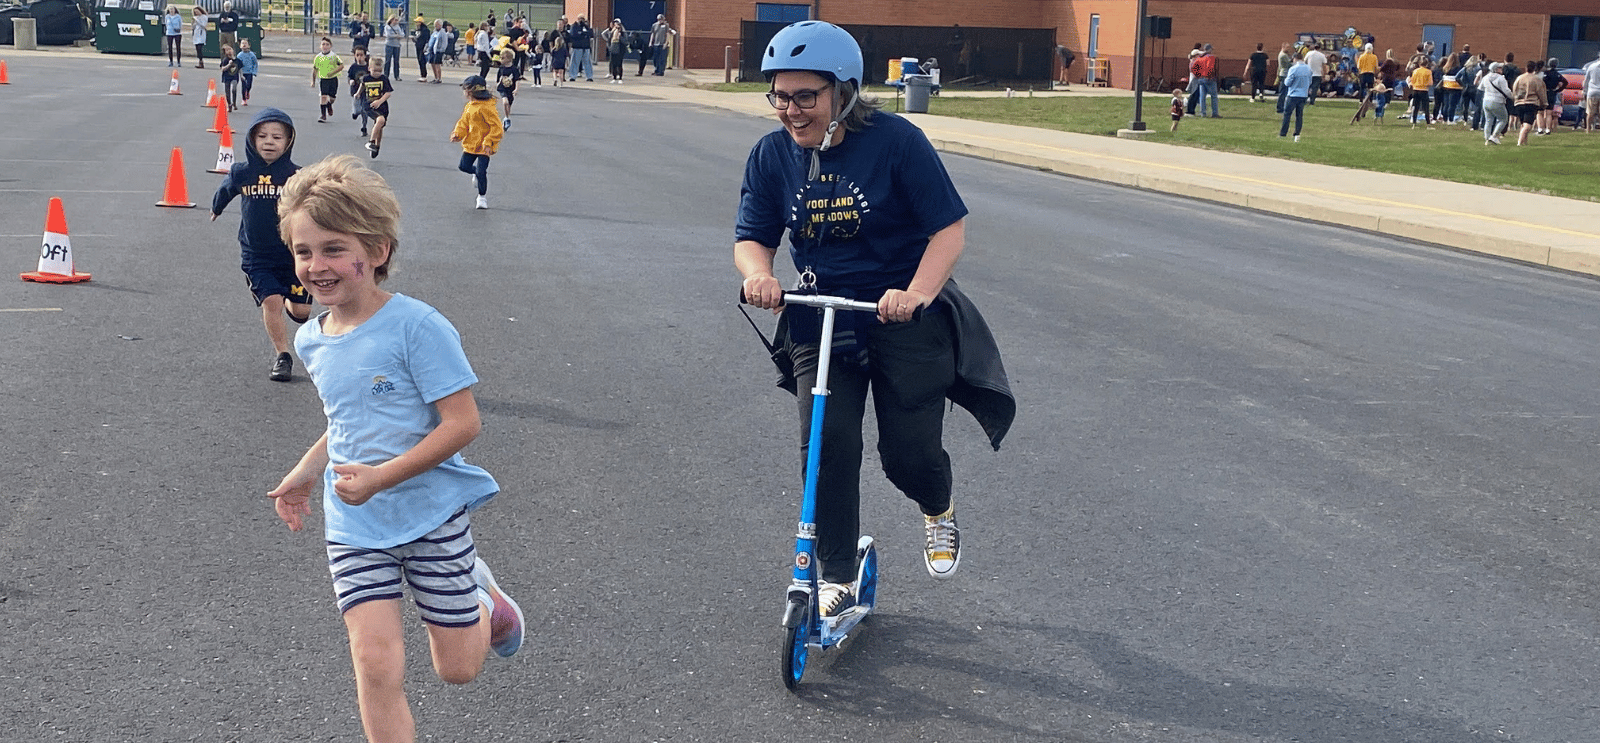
point(1178, 103)
point(374, 98)
point(356, 72)
point(397, 497)
point(325, 69)
point(479, 131)
point(264, 257)
point(249, 64)
point(506, 82)
point(230, 77)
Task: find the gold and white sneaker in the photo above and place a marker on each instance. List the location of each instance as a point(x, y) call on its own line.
point(834, 598)
point(942, 553)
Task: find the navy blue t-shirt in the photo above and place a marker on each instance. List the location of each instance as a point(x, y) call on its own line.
point(863, 225)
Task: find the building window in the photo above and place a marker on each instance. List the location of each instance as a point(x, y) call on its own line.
point(1574, 39)
point(782, 12)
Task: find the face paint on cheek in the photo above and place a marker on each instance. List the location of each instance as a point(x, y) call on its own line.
point(361, 268)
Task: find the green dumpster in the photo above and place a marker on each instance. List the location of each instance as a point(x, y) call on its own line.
point(129, 28)
point(137, 27)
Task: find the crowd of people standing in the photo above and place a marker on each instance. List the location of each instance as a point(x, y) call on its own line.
point(1438, 89)
point(568, 47)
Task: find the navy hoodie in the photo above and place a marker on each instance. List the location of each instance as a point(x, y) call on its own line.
point(259, 183)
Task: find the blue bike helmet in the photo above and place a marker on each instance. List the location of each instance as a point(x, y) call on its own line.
point(814, 46)
point(822, 48)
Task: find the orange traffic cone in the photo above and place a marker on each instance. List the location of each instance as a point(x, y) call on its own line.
point(224, 152)
point(211, 94)
point(222, 118)
point(5, 75)
point(55, 259)
point(173, 88)
point(177, 188)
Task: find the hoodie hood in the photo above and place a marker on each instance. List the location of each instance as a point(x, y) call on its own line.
point(266, 115)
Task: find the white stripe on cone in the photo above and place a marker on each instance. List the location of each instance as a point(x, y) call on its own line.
point(56, 255)
point(224, 159)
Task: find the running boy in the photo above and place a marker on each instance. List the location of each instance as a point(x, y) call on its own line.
point(505, 82)
point(355, 72)
point(396, 494)
point(479, 131)
point(325, 69)
point(249, 65)
point(374, 98)
point(265, 258)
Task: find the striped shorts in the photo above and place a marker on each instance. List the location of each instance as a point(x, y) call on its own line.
point(437, 566)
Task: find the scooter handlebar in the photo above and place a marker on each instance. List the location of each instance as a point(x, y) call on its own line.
point(823, 301)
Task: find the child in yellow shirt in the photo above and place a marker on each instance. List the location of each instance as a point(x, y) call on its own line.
point(479, 131)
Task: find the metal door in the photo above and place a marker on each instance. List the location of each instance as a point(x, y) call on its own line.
point(1443, 38)
point(1094, 45)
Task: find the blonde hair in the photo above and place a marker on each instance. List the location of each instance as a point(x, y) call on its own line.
point(339, 194)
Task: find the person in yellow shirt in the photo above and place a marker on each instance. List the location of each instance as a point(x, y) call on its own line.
point(479, 131)
point(1367, 65)
point(1421, 81)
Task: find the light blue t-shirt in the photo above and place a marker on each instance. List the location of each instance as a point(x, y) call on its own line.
point(174, 24)
point(378, 385)
point(1298, 80)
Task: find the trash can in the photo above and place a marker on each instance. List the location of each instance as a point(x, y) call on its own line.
point(918, 87)
point(25, 33)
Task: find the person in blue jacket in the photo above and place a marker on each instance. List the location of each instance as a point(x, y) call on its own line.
point(264, 257)
point(172, 24)
point(871, 215)
point(249, 65)
point(1297, 86)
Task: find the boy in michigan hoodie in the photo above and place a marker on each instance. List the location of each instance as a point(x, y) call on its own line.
point(266, 260)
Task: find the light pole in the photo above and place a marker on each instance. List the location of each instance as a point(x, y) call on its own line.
point(1138, 69)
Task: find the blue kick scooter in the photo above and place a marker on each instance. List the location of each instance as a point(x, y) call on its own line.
point(805, 628)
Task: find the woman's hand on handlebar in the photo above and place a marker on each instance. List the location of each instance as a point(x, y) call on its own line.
point(901, 306)
point(764, 292)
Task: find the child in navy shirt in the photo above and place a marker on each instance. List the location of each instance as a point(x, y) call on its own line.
point(265, 258)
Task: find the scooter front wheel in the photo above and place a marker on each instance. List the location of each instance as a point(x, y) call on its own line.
point(794, 654)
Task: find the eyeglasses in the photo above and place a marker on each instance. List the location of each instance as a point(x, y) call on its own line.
point(802, 98)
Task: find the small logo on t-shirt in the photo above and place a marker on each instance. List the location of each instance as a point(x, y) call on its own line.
point(381, 384)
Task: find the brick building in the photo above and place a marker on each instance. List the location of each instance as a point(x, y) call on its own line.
point(1566, 29)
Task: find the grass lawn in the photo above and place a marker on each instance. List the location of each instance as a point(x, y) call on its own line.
point(1566, 163)
point(1562, 164)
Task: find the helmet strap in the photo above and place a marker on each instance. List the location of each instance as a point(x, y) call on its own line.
point(827, 139)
